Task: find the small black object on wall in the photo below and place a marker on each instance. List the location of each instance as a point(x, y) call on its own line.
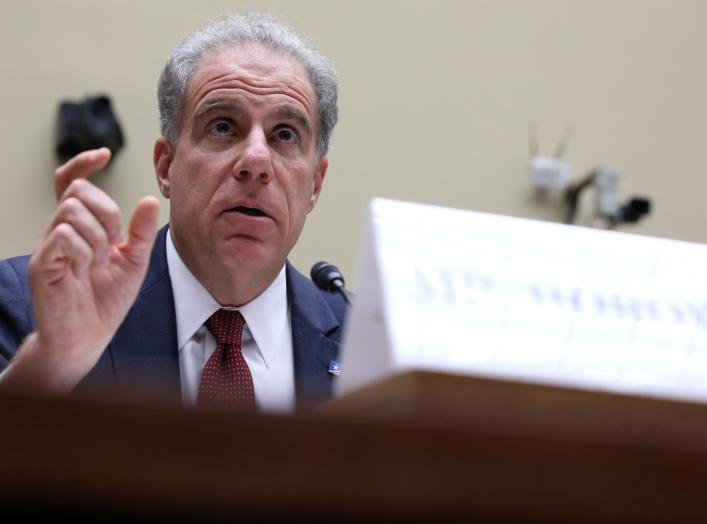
point(88, 124)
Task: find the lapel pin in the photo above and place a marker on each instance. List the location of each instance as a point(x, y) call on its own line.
point(334, 368)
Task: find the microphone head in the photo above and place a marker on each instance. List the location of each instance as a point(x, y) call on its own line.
point(326, 276)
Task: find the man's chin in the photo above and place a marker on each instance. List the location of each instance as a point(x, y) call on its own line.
point(244, 253)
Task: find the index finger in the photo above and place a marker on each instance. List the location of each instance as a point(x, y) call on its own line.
point(80, 166)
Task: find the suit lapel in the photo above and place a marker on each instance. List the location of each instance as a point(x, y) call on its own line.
point(315, 335)
point(144, 349)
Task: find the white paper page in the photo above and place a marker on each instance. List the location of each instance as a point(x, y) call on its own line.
point(369, 356)
point(473, 293)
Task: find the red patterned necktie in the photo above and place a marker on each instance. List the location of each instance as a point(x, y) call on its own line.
point(226, 381)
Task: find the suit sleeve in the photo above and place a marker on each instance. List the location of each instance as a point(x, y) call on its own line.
point(16, 317)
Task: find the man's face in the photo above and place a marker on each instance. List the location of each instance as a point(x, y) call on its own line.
point(245, 172)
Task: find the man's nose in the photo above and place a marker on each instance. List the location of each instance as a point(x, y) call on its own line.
point(255, 161)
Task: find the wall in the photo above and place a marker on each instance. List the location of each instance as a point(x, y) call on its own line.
point(435, 102)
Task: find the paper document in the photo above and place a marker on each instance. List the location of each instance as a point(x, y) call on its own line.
point(472, 293)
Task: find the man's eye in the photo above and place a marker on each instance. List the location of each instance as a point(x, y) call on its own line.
point(286, 135)
point(222, 128)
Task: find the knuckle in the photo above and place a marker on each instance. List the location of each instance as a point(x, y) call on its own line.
point(63, 231)
point(76, 186)
point(70, 206)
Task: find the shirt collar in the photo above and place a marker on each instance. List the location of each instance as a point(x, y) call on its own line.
point(266, 316)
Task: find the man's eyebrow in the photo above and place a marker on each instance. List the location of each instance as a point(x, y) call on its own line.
point(217, 106)
point(291, 113)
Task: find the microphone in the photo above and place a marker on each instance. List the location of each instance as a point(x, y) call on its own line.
point(327, 277)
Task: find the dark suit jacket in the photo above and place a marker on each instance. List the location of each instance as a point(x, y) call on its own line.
point(142, 361)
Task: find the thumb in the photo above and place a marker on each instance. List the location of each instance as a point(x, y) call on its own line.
point(142, 231)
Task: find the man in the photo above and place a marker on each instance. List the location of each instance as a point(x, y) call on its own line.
point(246, 112)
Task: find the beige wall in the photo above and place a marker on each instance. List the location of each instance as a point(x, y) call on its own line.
point(435, 102)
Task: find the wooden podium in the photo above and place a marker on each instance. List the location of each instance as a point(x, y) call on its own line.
point(419, 447)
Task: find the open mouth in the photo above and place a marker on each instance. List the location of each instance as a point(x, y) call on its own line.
point(250, 211)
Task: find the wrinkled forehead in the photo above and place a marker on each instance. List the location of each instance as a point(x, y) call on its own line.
point(263, 68)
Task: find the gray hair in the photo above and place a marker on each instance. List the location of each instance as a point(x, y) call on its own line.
point(240, 29)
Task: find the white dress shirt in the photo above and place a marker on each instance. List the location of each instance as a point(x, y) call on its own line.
point(266, 342)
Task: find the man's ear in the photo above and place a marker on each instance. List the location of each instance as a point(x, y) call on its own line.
point(319, 174)
point(162, 156)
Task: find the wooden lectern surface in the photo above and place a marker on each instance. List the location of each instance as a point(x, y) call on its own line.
point(420, 447)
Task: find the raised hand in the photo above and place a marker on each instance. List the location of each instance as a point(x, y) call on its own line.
point(84, 277)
